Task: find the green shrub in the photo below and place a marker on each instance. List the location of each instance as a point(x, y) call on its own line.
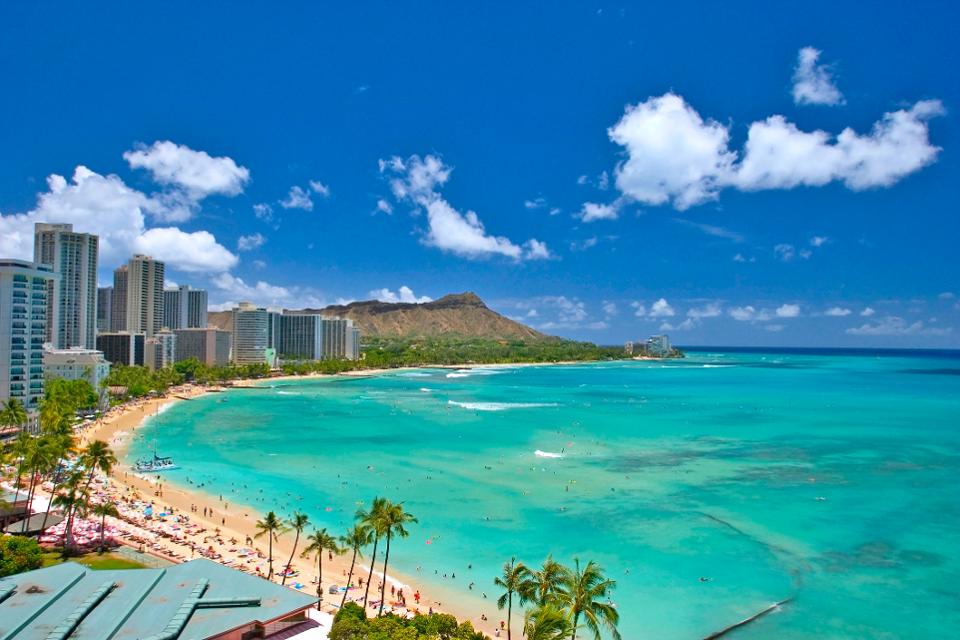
point(19, 554)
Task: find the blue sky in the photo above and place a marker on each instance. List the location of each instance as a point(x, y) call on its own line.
point(601, 171)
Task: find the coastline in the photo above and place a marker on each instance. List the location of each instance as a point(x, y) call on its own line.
point(238, 521)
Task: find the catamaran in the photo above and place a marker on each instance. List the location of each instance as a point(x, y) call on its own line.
point(158, 463)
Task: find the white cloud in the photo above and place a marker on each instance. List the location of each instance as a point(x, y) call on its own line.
point(404, 294)
point(418, 181)
point(778, 155)
point(582, 180)
point(231, 290)
point(639, 309)
point(947, 295)
point(593, 211)
point(788, 311)
point(384, 207)
point(819, 241)
point(709, 310)
point(773, 328)
point(603, 181)
point(319, 188)
point(661, 309)
point(609, 308)
point(250, 242)
point(259, 264)
point(837, 312)
point(867, 312)
point(686, 325)
point(675, 156)
point(198, 173)
point(107, 207)
point(263, 211)
point(896, 326)
point(749, 314)
point(812, 82)
point(197, 251)
point(297, 198)
point(742, 313)
point(536, 250)
point(555, 211)
point(785, 252)
point(711, 230)
point(536, 203)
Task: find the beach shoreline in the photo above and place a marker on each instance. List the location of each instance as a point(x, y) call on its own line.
point(238, 521)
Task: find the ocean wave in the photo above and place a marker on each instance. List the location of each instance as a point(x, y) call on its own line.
point(287, 393)
point(414, 374)
point(480, 371)
point(547, 454)
point(499, 406)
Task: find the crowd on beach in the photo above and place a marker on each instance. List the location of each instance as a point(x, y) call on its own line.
point(174, 525)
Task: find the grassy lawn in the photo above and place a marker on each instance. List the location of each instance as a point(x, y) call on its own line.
point(94, 561)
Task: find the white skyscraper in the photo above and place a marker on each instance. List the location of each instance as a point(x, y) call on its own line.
point(144, 304)
point(74, 257)
point(184, 308)
point(23, 326)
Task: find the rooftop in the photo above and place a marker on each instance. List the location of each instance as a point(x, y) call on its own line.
point(197, 599)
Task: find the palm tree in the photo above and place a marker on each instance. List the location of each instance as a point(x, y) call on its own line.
point(374, 520)
point(356, 539)
point(271, 526)
point(20, 449)
point(62, 446)
point(97, 456)
point(320, 541)
point(13, 413)
point(298, 523)
point(547, 622)
point(39, 461)
point(514, 579)
point(393, 519)
point(542, 585)
point(103, 510)
point(585, 592)
point(75, 502)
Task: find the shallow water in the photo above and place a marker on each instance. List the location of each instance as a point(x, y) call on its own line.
point(832, 478)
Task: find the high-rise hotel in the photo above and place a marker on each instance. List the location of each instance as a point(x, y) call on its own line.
point(24, 287)
point(184, 308)
point(72, 308)
point(138, 296)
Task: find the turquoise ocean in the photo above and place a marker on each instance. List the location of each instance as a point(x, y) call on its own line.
point(832, 478)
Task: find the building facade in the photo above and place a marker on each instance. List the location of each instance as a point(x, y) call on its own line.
point(209, 345)
point(184, 308)
point(74, 257)
point(301, 337)
point(658, 346)
point(251, 334)
point(24, 288)
point(123, 348)
point(118, 296)
point(104, 309)
point(77, 363)
point(341, 340)
point(144, 295)
point(160, 350)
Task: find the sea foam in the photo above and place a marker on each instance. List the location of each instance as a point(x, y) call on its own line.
point(499, 406)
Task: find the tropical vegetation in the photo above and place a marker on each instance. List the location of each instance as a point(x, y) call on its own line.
point(565, 600)
point(351, 623)
point(18, 554)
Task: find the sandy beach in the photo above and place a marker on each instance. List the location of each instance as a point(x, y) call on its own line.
point(236, 523)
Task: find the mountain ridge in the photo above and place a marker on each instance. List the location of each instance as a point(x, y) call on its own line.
point(455, 315)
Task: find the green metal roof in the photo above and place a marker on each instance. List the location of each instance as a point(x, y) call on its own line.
point(197, 599)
